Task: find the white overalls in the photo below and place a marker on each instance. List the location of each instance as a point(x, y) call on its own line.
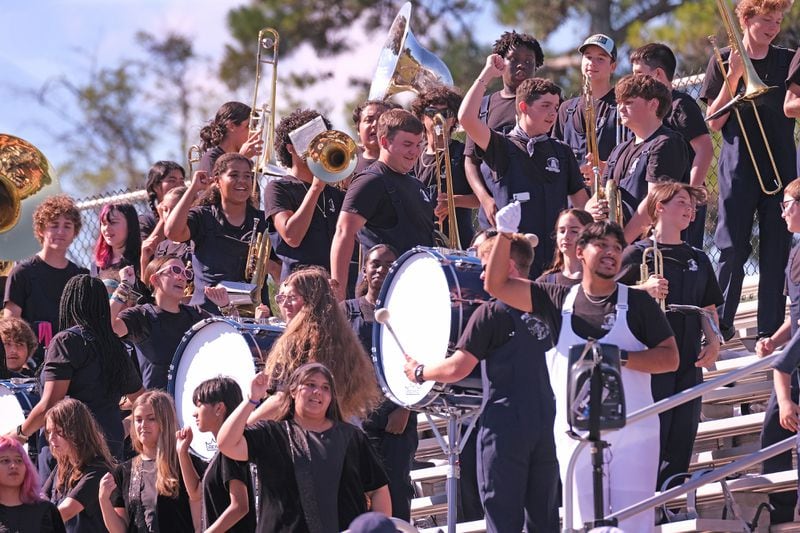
point(632, 460)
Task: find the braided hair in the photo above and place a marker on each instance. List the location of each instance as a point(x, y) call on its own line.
point(84, 303)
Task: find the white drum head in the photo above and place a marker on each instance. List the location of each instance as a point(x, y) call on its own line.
point(418, 300)
point(12, 413)
point(216, 349)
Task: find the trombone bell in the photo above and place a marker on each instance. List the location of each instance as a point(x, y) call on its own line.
point(404, 64)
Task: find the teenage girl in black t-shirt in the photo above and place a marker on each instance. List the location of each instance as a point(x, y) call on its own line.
point(82, 458)
point(228, 132)
point(225, 489)
point(566, 268)
point(118, 245)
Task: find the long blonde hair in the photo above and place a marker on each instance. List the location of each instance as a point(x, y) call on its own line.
point(167, 466)
point(320, 333)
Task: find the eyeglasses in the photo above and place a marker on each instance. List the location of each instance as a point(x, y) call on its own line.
point(431, 112)
point(177, 271)
point(287, 298)
point(787, 204)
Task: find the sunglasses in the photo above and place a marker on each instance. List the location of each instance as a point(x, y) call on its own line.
point(288, 298)
point(178, 271)
point(431, 112)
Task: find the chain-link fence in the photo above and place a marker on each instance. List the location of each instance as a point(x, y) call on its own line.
point(81, 251)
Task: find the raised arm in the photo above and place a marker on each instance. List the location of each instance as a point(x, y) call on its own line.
point(468, 113)
point(293, 225)
point(176, 227)
point(497, 282)
point(230, 438)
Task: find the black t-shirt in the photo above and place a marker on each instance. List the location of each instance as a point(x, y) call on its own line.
point(147, 223)
point(589, 320)
point(216, 491)
point(489, 328)
point(286, 194)
point(36, 287)
point(501, 115)
point(268, 445)
point(570, 125)
point(84, 492)
point(558, 278)
point(220, 248)
point(173, 515)
point(208, 159)
point(73, 356)
point(686, 118)
point(734, 159)
point(157, 333)
point(39, 517)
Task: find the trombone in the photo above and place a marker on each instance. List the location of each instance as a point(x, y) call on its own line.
point(442, 154)
point(658, 268)
point(193, 156)
point(753, 88)
point(610, 192)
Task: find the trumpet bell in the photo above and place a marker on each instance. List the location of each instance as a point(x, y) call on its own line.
point(26, 179)
point(404, 64)
point(332, 156)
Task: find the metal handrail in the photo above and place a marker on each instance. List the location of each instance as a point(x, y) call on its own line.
point(657, 408)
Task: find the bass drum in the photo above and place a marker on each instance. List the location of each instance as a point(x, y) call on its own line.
point(430, 294)
point(216, 347)
point(17, 398)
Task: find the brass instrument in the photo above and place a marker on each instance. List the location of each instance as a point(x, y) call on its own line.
point(609, 191)
point(332, 156)
point(442, 154)
point(193, 156)
point(753, 88)
point(404, 65)
point(26, 179)
point(658, 268)
point(262, 116)
point(257, 257)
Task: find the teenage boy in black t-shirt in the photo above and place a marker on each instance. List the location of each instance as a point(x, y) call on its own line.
point(384, 204)
point(598, 61)
point(523, 55)
point(303, 208)
point(34, 287)
point(529, 165)
point(740, 195)
point(685, 117)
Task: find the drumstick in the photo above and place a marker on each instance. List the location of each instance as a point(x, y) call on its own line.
point(382, 317)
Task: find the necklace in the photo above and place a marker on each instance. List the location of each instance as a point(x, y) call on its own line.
point(324, 202)
point(599, 300)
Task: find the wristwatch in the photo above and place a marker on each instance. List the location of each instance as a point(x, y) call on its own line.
point(623, 357)
point(20, 434)
point(418, 374)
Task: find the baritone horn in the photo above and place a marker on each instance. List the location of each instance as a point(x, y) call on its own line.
point(332, 156)
point(753, 88)
point(442, 155)
point(404, 64)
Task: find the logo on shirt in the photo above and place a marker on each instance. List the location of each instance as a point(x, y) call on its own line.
point(331, 206)
point(608, 321)
point(535, 326)
point(553, 165)
point(425, 197)
point(632, 168)
point(692, 265)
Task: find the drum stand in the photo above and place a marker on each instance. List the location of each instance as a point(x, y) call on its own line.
point(454, 443)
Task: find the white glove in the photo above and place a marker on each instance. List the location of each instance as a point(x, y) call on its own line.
point(507, 219)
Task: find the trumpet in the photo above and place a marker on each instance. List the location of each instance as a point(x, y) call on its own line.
point(753, 88)
point(610, 191)
point(657, 257)
point(442, 154)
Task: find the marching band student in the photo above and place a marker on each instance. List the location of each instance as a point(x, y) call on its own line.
point(316, 472)
point(228, 504)
point(157, 243)
point(655, 153)
point(517, 466)
point(445, 102)
point(162, 177)
point(303, 208)
point(118, 245)
point(228, 132)
point(34, 286)
point(498, 110)
point(86, 361)
point(147, 493)
point(22, 508)
point(365, 121)
point(740, 195)
point(781, 416)
point(598, 61)
point(566, 269)
point(530, 165)
point(221, 228)
point(685, 117)
point(19, 344)
point(601, 309)
point(317, 331)
point(384, 204)
point(82, 459)
point(689, 279)
point(156, 329)
point(791, 103)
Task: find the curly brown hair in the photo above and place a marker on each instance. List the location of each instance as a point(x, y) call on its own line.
point(321, 333)
point(437, 96)
point(13, 329)
point(750, 8)
point(52, 208)
point(287, 125)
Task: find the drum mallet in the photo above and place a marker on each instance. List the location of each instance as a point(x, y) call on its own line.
point(382, 317)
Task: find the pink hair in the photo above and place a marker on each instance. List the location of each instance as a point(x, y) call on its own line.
point(30, 491)
point(102, 250)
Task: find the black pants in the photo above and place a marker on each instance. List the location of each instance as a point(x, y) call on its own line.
point(397, 452)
